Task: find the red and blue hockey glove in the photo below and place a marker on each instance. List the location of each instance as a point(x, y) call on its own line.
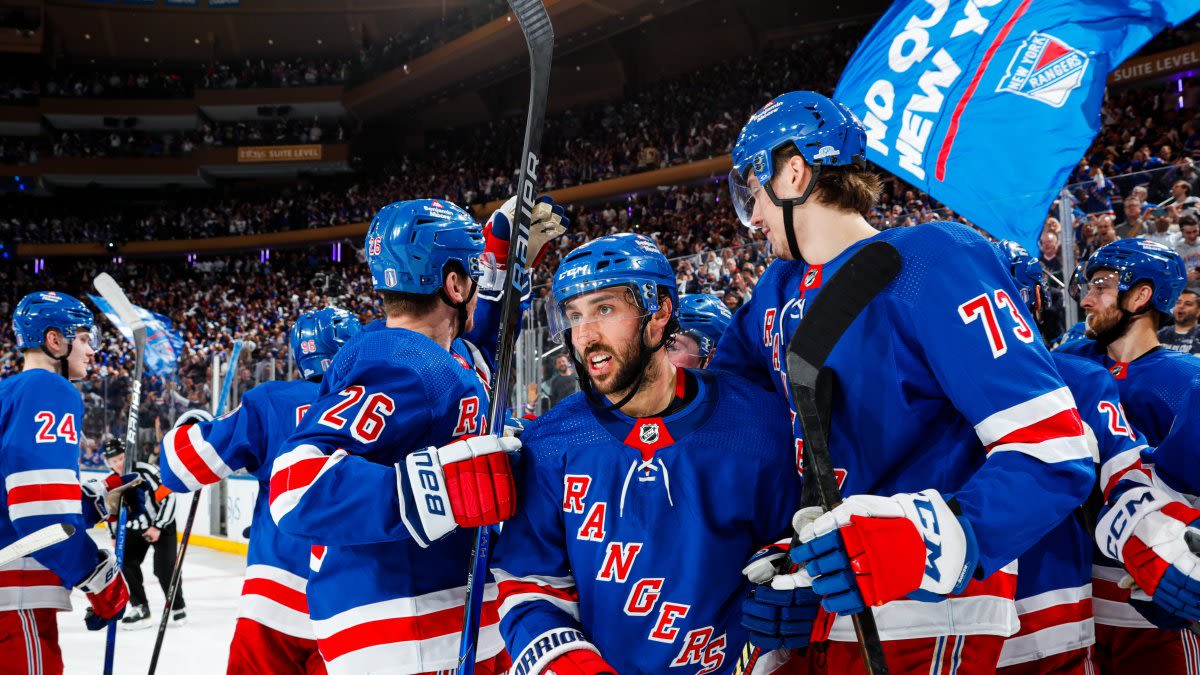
point(871, 550)
point(579, 662)
point(100, 497)
point(106, 590)
point(468, 483)
point(548, 222)
point(1148, 533)
point(778, 618)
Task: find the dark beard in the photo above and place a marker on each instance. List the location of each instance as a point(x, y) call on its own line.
point(1109, 333)
point(628, 368)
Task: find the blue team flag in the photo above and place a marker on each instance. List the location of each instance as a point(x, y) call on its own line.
point(987, 105)
point(163, 344)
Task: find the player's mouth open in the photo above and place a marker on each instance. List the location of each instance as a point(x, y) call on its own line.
point(598, 364)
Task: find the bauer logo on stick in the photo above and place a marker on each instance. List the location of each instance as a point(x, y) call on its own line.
point(1045, 69)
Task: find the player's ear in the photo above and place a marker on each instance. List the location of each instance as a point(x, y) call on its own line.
point(799, 173)
point(456, 285)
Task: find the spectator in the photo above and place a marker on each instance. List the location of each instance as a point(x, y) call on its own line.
point(1189, 249)
point(1184, 336)
point(1134, 223)
point(1162, 229)
point(563, 382)
point(1182, 201)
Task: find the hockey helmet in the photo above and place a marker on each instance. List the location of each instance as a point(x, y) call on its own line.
point(1136, 261)
point(409, 244)
point(40, 312)
point(318, 335)
point(705, 318)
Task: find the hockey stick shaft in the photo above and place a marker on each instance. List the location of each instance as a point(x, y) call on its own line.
point(177, 571)
point(111, 291)
point(35, 541)
point(539, 38)
point(843, 298)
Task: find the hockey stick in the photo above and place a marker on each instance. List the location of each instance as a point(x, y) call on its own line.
point(842, 299)
point(539, 38)
point(177, 571)
point(35, 541)
point(111, 291)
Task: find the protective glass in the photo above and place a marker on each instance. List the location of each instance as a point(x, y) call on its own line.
point(743, 197)
point(487, 272)
point(594, 305)
point(91, 336)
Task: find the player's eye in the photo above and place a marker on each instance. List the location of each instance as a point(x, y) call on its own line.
point(605, 310)
point(574, 318)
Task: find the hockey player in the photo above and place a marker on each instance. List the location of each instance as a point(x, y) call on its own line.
point(274, 634)
point(1053, 586)
point(40, 418)
point(702, 320)
point(950, 464)
point(641, 500)
point(391, 464)
point(1126, 289)
point(153, 528)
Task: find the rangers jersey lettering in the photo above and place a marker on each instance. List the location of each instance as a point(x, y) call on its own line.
point(927, 397)
point(274, 593)
point(40, 417)
point(632, 534)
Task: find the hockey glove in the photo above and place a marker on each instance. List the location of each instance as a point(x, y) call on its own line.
point(871, 550)
point(579, 662)
point(101, 496)
point(106, 590)
point(548, 222)
point(1149, 534)
point(468, 483)
point(775, 618)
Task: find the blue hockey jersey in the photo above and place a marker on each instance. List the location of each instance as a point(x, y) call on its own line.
point(1151, 385)
point(250, 438)
point(41, 415)
point(632, 533)
point(383, 601)
point(1054, 587)
point(1175, 460)
point(943, 383)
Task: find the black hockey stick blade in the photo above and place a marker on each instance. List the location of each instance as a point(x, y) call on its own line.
point(830, 315)
point(539, 38)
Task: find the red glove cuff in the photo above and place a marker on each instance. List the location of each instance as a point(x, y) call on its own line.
point(481, 490)
point(580, 662)
point(887, 556)
point(496, 246)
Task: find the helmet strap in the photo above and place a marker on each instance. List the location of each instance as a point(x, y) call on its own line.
point(789, 206)
point(460, 306)
point(62, 360)
point(1118, 331)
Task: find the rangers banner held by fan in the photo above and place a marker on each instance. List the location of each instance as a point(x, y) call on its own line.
point(935, 79)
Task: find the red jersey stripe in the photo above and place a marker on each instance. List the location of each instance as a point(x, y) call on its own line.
point(298, 475)
point(1065, 424)
point(191, 459)
point(401, 629)
point(277, 592)
point(45, 492)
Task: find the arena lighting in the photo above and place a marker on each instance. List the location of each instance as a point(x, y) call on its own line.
point(264, 256)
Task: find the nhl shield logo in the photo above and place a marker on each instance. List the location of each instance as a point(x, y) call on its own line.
point(1045, 69)
point(648, 433)
point(389, 277)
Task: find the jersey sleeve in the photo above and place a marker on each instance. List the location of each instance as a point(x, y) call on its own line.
point(980, 344)
point(339, 467)
point(40, 464)
point(741, 348)
point(539, 601)
point(202, 453)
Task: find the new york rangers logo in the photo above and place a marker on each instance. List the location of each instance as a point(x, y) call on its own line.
point(389, 277)
point(1045, 69)
point(648, 433)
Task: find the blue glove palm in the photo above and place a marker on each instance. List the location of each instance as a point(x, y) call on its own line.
point(778, 619)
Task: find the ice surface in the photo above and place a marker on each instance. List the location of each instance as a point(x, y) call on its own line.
point(212, 583)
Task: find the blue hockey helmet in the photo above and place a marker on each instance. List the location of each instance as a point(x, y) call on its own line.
point(705, 318)
point(318, 335)
point(1025, 270)
point(631, 260)
point(1136, 261)
point(409, 244)
point(40, 312)
point(825, 132)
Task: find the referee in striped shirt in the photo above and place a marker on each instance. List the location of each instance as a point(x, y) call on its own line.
point(154, 529)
